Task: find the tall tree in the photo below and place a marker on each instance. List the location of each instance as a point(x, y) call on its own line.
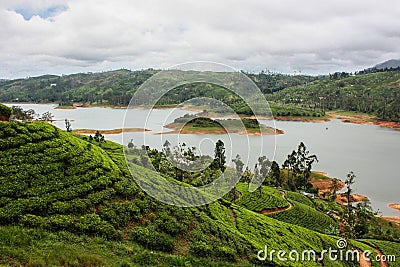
point(130, 144)
point(290, 165)
point(275, 174)
point(348, 217)
point(219, 156)
point(238, 165)
point(264, 165)
point(68, 125)
point(335, 186)
point(304, 162)
point(166, 148)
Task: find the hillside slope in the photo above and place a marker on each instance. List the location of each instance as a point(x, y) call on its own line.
point(68, 200)
point(375, 93)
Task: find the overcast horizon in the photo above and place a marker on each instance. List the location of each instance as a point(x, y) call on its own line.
point(309, 37)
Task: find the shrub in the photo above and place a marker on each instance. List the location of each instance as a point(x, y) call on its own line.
point(5, 112)
point(226, 253)
point(151, 239)
point(200, 249)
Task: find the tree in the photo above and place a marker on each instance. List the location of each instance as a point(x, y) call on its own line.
point(219, 156)
point(348, 217)
point(289, 165)
point(68, 125)
point(304, 162)
point(130, 144)
point(364, 213)
point(166, 148)
point(98, 137)
point(257, 175)
point(247, 176)
point(275, 174)
point(335, 186)
point(19, 114)
point(238, 165)
point(47, 116)
point(265, 165)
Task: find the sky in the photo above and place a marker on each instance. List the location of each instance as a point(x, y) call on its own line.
point(290, 36)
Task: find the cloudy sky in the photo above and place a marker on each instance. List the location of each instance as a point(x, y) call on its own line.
point(308, 36)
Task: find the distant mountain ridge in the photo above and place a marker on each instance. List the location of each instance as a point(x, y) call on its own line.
point(392, 63)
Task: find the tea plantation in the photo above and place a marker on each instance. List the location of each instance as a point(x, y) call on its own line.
point(67, 200)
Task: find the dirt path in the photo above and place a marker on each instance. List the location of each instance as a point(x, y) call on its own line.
point(276, 210)
point(232, 215)
point(382, 263)
point(366, 263)
point(362, 261)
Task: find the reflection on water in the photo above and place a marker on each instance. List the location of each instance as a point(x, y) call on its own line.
point(370, 151)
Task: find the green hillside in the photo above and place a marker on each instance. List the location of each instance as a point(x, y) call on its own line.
point(268, 199)
point(69, 200)
point(117, 87)
point(307, 217)
point(375, 93)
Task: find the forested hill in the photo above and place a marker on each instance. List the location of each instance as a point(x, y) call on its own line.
point(374, 93)
point(113, 87)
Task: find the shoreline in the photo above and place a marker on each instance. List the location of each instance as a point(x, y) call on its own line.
point(395, 206)
point(363, 119)
point(324, 184)
point(393, 219)
point(113, 131)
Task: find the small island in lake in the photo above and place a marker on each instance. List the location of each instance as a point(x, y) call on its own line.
point(192, 124)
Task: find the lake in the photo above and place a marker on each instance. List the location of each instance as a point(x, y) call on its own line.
point(368, 150)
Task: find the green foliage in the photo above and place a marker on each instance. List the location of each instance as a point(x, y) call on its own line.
point(300, 198)
point(269, 198)
point(46, 172)
point(307, 217)
point(375, 93)
point(36, 247)
point(200, 249)
point(152, 239)
point(83, 208)
point(5, 112)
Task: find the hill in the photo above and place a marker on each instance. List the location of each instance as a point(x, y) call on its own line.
point(112, 87)
point(392, 63)
point(67, 199)
point(375, 94)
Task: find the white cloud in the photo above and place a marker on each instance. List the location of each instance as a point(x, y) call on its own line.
point(287, 35)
